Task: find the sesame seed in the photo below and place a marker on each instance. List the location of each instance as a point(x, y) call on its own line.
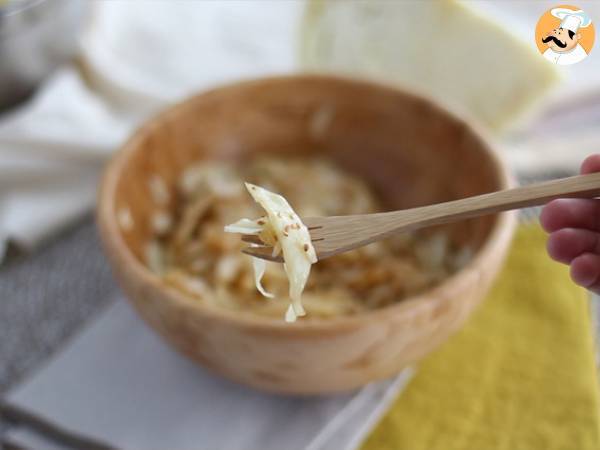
point(305, 247)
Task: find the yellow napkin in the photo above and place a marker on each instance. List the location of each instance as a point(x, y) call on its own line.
point(520, 375)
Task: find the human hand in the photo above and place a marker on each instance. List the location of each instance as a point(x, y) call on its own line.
point(574, 227)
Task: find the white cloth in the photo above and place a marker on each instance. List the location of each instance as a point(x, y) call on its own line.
point(138, 57)
point(570, 22)
point(571, 19)
point(51, 153)
point(120, 384)
point(573, 56)
point(141, 56)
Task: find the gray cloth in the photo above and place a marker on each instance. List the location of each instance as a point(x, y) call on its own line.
point(118, 383)
point(47, 295)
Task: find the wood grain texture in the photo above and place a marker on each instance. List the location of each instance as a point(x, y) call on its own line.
point(337, 234)
point(411, 151)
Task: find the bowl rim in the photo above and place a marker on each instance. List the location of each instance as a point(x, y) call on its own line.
point(106, 215)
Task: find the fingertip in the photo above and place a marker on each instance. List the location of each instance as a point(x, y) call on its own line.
point(551, 215)
point(568, 243)
point(585, 270)
point(553, 247)
point(545, 218)
point(571, 213)
point(591, 164)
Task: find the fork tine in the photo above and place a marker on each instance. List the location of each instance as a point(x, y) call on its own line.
point(312, 223)
point(252, 239)
point(263, 253)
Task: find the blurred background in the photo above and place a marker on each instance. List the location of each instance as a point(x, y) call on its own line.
point(77, 77)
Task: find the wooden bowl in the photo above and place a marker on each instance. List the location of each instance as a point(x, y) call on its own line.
point(411, 151)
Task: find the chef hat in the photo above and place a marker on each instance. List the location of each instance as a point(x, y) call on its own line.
point(571, 20)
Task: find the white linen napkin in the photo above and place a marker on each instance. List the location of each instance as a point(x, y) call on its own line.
point(120, 384)
point(51, 153)
point(137, 57)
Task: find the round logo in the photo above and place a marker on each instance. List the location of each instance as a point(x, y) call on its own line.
point(565, 35)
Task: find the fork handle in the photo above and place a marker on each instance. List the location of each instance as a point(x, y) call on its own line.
point(580, 186)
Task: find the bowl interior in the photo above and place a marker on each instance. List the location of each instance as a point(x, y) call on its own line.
point(410, 151)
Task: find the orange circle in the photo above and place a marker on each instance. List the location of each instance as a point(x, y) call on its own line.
point(548, 22)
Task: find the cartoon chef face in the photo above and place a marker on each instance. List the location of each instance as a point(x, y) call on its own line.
point(561, 40)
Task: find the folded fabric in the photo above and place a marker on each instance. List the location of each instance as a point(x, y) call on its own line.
point(137, 57)
point(51, 153)
point(120, 385)
point(521, 375)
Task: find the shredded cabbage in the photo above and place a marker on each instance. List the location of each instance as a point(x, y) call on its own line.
point(245, 226)
point(260, 265)
point(282, 229)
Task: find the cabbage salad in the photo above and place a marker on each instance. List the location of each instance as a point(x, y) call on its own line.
point(282, 229)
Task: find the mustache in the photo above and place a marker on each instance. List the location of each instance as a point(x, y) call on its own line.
point(556, 41)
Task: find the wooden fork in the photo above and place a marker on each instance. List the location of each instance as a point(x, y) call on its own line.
point(338, 234)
